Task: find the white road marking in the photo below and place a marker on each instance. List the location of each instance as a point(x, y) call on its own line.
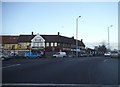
point(105, 60)
point(11, 66)
point(56, 85)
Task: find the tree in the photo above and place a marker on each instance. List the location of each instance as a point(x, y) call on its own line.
point(102, 49)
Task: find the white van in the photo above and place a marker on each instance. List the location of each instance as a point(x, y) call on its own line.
point(60, 54)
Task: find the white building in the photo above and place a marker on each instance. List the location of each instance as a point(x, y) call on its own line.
point(38, 42)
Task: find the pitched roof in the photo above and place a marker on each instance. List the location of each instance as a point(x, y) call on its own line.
point(28, 38)
point(25, 38)
point(48, 38)
point(9, 39)
point(61, 39)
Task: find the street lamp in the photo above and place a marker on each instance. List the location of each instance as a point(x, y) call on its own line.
point(109, 37)
point(77, 36)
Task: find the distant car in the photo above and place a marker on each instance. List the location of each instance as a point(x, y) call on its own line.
point(60, 54)
point(32, 55)
point(114, 54)
point(89, 55)
point(83, 55)
point(107, 54)
point(4, 56)
point(12, 55)
point(71, 55)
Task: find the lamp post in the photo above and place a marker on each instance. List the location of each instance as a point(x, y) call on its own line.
point(109, 38)
point(77, 36)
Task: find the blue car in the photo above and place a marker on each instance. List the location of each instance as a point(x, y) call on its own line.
point(32, 55)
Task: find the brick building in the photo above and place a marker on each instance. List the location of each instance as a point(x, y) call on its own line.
point(48, 43)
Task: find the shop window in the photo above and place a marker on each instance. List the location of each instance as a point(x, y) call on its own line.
point(55, 44)
point(47, 44)
point(51, 44)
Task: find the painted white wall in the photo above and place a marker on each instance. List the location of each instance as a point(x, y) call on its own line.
point(38, 42)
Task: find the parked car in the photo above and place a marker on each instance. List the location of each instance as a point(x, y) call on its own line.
point(83, 55)
point(32, 55)
point(114, 54)
point(13, 55)
point(60, 54)
point(90, 55)
point(107, 54)
point(71, 55)
point(4, 56)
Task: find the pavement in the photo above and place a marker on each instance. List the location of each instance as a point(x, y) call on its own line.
point(84, 70)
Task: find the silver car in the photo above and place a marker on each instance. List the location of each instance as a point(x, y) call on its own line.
point(114, 54)
point(4, 56)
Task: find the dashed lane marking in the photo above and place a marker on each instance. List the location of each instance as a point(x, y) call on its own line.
point(11, 66)
point(105, 60)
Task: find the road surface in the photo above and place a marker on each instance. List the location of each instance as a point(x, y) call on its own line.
point(84, 70)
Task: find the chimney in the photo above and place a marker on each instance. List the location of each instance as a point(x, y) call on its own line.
point(58, 33)
point(81, 40)
point(32, 33)
point(72, 37)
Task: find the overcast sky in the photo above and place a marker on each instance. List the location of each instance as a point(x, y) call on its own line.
point(52, 17)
